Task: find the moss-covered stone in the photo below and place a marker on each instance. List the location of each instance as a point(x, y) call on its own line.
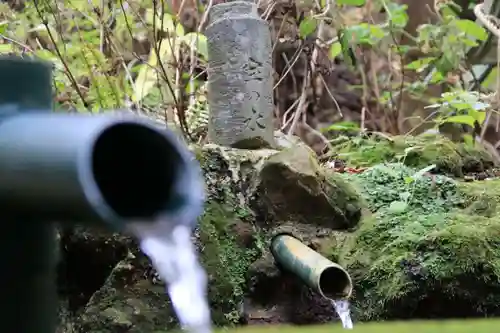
point(129, 301)
point(482, 197)
point(295, 188)
point(416, 151)
point(412, 265)
point(227, 237)
point(431, 247)
point(402, 188)
point(226, 260)
point(252, 195)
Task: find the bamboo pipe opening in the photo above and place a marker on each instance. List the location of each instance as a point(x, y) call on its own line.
point(334, 283)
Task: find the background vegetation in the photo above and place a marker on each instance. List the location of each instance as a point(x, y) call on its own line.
point(150, 56)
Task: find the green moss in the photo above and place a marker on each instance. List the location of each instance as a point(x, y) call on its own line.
point(224, 257)
point(198, 153)
point(429, 252)
point(398, 187)
point(482, 197)
point(364, 151)
point(416, 151)
point(404, 261)
point(345, 197)
point(226, 263)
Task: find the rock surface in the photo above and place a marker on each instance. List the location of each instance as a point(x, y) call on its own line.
point(131, 300)
point(418, 241)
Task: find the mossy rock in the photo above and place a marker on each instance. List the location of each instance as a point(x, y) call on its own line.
point(420, 266)
point(129, 301)
point(226, 255)
point(481, 197)
point(293, 187)
point(228, 241)
point(435, 253)
point(390, 185)
point(251, 195)
point(416, 151)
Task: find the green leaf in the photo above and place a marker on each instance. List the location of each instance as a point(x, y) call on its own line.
point(397, 14)
point(468, 140)
point(308, 26)
point(460, 106)
point(351, 2)
point(347, 52)
point(480, 117)
point(469, 42)
point(358, 34)
point(364, 33)
point(335, 50)
point(420, 63)
point(342, 126)
point(6, 48)
point(409, 180)
point(472, 29)
point(199, 42)
point(147, 77)
point(437, 77)
point(464, 119)
point(448, 12)
point(192, 85)
point(3, 27)
point(49, 56)
point(491, 79)
point(397, 206)
point(179, 30)
point(376, 31)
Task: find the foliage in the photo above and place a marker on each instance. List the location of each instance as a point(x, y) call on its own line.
point(436, 55)
point(109, 55)
point(115, 54)
point(137, 54)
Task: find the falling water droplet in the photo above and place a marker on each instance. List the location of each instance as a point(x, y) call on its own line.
point(342, 308)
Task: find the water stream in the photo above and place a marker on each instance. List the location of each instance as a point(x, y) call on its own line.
point(344, 313)
point(173, 254)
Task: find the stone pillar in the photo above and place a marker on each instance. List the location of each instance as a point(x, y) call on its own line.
point(240, 86)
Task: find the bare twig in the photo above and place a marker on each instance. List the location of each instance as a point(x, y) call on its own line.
point(302, 103)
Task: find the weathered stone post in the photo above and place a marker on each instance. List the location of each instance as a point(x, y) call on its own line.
point(240, 77)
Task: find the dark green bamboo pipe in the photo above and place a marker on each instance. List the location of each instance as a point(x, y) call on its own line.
point(329, 279)
point(74, 168)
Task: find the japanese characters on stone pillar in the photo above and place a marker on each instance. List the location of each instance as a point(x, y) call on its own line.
point(240, 86)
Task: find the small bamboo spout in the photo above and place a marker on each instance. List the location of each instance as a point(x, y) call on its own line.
point(329, 279)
